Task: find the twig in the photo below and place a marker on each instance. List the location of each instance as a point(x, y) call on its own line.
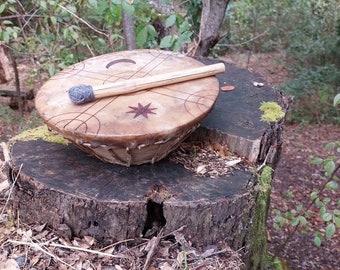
point(42, 247)
point(26, 21)
point(83, 21)
point(20, 16)
point(87, 24)
point(225, 250)
point(87, 250)
point(217, 253)
point(39, 247)
point(173, 232)
point(88, 47)
point(115, 244)
point(11, 189)
point(259, 168)
point(245, 42)
point(155, 242)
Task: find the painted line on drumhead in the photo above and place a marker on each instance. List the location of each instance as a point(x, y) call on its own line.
point(123, 60)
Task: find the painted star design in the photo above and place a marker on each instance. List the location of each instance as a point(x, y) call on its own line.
point(142, 110)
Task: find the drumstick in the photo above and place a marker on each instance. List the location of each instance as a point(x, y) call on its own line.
point(87, 93)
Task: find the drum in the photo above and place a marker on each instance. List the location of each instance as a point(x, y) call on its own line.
point(131, 128)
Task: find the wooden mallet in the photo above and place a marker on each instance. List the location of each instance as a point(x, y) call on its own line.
point(87, 93)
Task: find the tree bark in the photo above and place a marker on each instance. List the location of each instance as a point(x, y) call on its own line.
point(159, 23)
point(213, 13)
point(129, 30)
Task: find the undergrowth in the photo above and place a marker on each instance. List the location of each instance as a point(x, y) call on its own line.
point(307, 32)
point(56, 34)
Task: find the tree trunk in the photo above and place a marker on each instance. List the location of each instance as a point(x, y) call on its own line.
point(159, 23)
point(8, 65)
point(213, 13)
point(129, 30)
point(78, 195)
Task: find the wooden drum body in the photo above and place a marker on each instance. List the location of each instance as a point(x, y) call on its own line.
point(130, 129)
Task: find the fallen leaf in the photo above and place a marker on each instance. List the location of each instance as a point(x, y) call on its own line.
point(4, 186)
point(208, 252)
point(65, 242)
point(164, 252)
point(41, 235)
point(227, 88)
point(79, 265)
point(88, 241)
point(166, 266)
point(201, 169)
point(233, 162)
point(34, 260)
point(180, 258)
point(39, 228)
point(10, 264)
point(118, 267)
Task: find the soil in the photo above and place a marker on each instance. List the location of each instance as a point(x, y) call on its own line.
point(295, 178)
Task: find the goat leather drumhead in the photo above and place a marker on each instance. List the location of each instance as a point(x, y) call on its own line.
point(132, 128)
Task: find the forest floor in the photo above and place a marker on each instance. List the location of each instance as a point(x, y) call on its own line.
point(294, 180)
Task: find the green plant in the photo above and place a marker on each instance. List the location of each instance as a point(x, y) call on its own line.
point(52, 35)
point(328, 212)
point(316, 55)
point(328, 208)
point(8, 115)
point(314, 89)
point(56, 34)
point(307, 32)
point(175, 41)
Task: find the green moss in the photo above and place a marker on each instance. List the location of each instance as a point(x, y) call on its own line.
point(258, 236)
point(41, 132)
point(279, 264)
point(271, 112)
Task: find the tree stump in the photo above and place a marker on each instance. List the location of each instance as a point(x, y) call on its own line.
point(78, 195)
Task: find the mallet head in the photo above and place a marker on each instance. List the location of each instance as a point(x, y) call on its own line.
point(81, 94)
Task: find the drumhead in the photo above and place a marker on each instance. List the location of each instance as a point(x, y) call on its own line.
point(130, 120)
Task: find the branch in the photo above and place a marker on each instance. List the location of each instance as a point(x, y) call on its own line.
point(290, 235)
point(41, 248)
point(154, 244)
point(20, 16)
point(245, 42)
point(87, 24)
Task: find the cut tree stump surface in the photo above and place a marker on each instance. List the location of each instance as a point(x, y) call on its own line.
point(79, 195)
point(72, 171)
point(237, 112)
